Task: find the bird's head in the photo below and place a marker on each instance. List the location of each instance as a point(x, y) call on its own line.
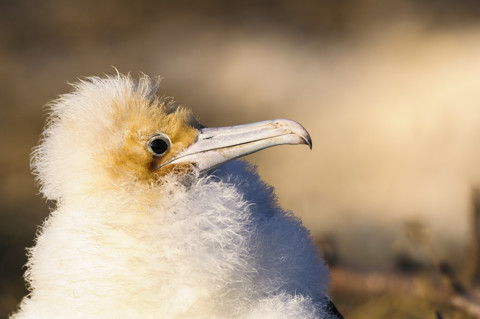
point(113, 132)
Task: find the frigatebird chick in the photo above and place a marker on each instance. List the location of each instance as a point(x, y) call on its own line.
point(148, 225)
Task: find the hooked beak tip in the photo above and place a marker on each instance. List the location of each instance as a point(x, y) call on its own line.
point(309, 142)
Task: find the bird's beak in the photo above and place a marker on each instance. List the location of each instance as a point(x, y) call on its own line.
point(215, 146)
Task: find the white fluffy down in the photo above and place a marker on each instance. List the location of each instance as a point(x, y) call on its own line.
point(218, 248)
point(215, 246)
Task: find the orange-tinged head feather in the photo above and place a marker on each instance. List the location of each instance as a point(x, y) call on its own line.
point(140, 119)
point(97, 136)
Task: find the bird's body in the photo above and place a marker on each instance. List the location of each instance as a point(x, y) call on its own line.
point(142, 236)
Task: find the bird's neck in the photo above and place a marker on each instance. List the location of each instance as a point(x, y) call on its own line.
point(124, 252)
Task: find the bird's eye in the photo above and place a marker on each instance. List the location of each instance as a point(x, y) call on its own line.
point(159, 144)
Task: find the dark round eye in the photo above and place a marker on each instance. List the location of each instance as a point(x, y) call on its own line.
point(159, 144)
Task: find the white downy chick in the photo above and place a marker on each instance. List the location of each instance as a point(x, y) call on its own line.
point(148, 225)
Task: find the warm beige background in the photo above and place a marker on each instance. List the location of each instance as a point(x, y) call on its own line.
point(390, 93)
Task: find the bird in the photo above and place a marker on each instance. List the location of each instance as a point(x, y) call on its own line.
point(155, 215)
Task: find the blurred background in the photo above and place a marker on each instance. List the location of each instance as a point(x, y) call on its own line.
point(389, 90)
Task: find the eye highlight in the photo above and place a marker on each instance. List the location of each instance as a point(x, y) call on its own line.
point(159, 144)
